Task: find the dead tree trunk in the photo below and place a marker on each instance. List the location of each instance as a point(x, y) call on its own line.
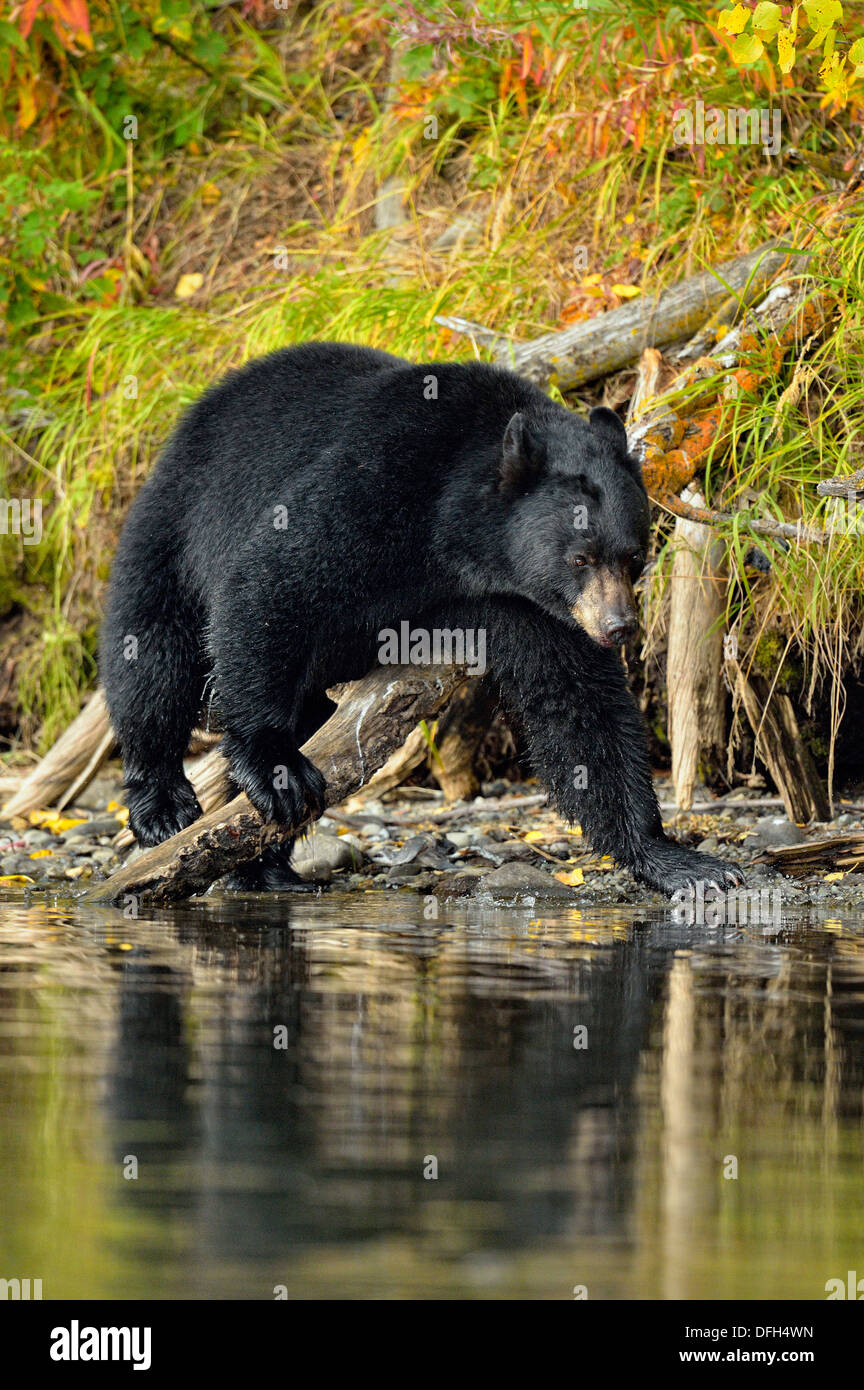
point(373, 718)
point(694, 658)
point(782, 750)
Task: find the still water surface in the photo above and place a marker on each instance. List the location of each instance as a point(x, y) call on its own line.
point(283, 1074)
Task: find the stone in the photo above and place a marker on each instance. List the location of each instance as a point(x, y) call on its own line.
point(317, 856)
point(524, 883)
point(771, 831)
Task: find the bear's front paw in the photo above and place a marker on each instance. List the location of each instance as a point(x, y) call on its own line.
point(158, 810)
point(671, 869)
point(283, 787)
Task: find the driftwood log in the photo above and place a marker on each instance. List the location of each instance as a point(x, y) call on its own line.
point(64, 771)
point(373, 718)
point(585, 351)
point(838, 852)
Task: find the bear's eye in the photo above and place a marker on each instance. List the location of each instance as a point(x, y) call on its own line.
point(578, 561)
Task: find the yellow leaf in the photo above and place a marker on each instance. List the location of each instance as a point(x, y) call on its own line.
point(210, 193)
point(834, 878)
point(572, 879)
point(53, 821)
point(188, 285)
point(592, 279)
point(533, 836)
point(41, 854)
point(766, 19)
point(734, 21)
point(26, 104)
point(786, 50)
point(747, 49)
point(16, 878)
point(626, 291)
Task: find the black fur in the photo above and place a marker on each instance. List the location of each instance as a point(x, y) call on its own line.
point(439, 494)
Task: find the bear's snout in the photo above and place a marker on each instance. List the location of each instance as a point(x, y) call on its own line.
point(606, 607)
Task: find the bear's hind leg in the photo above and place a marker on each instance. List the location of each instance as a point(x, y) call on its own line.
point(152, 674)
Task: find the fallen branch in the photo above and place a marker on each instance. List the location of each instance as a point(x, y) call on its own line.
point(373, 718)
point(585, 351)
point(709, 516)
point(75, 758)
point(839, 852)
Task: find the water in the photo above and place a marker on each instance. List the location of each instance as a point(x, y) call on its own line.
point(283, 1073)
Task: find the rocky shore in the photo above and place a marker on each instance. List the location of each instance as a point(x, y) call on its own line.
point(505, 846)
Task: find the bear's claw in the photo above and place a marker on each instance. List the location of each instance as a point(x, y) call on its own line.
point(158, 810)
point(671, 869)
point(284, 788)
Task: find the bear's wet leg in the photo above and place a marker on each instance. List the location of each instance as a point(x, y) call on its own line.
point(152, 673)
point(588, 744)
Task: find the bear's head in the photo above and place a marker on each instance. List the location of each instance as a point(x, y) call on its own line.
point(578, 521)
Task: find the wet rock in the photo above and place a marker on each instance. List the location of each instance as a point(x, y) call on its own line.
point(563, 848)
point(460, 838)
point(99, 793)
point(408, 852)
point(318, 856)
point(460, 885)
point(38, 839)
point(399, 873)
point(523, 883)
point(498, 788)
point(708, 845)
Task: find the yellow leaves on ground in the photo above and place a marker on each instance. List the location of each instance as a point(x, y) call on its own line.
point(15, 878)
point(626, 291)
point(116, 808)
point(572, 879)
point(53, 821)
point(188, 285)
point(41, 854)
point(210, 193)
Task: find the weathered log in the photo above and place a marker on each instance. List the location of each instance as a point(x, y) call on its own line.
point(851, 487)
point(694, 655)
point(397, 767)
point(781, 748)
point(838, 852)
point(585, 351)
point(373, 717)
point(461, 729)
point(673, 439)
point(75, 758)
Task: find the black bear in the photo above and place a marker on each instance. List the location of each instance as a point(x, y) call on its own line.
point(326, 492)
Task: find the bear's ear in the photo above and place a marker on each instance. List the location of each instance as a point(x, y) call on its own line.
point(523, 456)
point(607, 423)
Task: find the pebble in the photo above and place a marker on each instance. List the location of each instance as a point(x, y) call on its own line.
point(91, 829)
